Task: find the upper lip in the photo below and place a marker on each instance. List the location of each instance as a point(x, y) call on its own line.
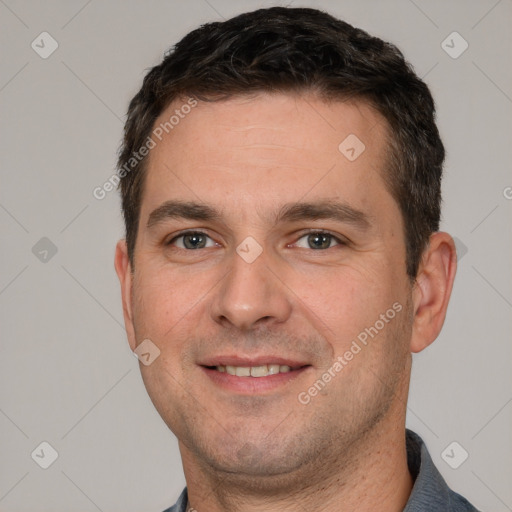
point(250, 361)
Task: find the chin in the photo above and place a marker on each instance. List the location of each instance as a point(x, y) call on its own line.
point(258, 459)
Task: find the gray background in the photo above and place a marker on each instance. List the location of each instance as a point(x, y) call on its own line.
point(67, 375)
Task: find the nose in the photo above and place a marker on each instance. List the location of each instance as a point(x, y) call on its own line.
point(251, 294)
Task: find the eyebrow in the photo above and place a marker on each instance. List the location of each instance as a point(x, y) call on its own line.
point(290, 212)
point(182, 210)
point(329, 210)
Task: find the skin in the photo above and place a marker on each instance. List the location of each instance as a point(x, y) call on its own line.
point(261, 449)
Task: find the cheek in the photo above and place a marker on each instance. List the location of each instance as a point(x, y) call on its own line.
point(346, 300)
point(164, 302)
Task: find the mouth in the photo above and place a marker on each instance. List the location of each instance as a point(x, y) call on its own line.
point(251, 377)
point(255, 371)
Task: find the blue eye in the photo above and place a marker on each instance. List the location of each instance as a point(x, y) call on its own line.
point(192, 240)
point(319, 240)
point(316, 240)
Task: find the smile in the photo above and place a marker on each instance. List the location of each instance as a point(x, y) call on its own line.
point(254, 371)
point(253, 377)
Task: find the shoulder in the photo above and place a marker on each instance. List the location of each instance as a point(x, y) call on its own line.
point(430, 491)
point(181, 504)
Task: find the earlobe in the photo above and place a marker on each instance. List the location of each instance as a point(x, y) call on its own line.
point(124, 273)
point(432, 290)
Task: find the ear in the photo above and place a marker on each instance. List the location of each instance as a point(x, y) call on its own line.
point(124, 273)
point(432, 289)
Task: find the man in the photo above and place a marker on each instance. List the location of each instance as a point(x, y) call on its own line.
point(280, 179)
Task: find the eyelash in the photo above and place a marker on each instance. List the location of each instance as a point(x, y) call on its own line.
point(304, 234)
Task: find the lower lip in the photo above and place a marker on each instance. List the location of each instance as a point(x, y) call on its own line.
point(253, 385)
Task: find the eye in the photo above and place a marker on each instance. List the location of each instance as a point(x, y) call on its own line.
point(192, 240)
point(318, 240)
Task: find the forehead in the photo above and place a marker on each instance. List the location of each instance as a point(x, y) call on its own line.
point(270, 147)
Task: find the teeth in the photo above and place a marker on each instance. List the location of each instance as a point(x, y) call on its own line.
point(242, 371)
point(273, 369)
point(259, 371)
point(254, 371)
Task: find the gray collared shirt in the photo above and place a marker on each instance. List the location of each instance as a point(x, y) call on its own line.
point(429, 493)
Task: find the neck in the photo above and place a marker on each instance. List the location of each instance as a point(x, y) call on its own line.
point(370, 475)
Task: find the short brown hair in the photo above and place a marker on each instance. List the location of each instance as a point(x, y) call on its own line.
point(301, 50)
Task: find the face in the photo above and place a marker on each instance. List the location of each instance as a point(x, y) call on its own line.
point(270, 273)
